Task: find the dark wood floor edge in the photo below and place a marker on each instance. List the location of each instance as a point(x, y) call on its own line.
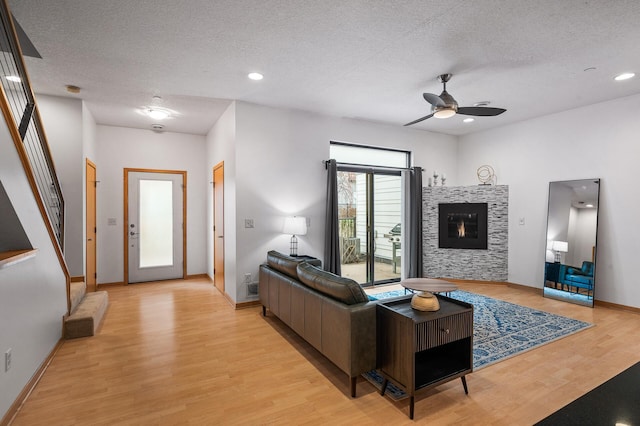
point(13, 411)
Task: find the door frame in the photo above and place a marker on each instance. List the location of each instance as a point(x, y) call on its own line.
point(220, 286)
point(91, 282)
point(125, 222)
point(370, 173)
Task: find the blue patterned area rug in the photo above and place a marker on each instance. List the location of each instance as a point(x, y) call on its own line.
point(501, 330)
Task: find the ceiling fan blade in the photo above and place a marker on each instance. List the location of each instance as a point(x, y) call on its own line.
point(419, 119)
point(481, 111)
point(434, 100)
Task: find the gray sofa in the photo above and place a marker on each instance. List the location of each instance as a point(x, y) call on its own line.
point(330, 312)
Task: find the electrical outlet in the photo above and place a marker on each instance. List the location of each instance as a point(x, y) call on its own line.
point(247, 278)
point(7, 360)
point(248, 223)
point(521, 221)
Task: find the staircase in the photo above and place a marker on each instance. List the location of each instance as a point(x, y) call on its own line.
point(87, 311)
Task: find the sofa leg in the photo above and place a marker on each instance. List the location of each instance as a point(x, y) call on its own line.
point(264, 311)
point(353, 386)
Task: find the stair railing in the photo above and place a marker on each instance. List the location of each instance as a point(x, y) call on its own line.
point(20, 111)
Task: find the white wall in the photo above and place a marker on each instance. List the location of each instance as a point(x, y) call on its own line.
point(33, 296)
point(62, 119)
point(89, 150)
point(279, 172)
point(119, 148)
point(598, 141)
point(220, 147)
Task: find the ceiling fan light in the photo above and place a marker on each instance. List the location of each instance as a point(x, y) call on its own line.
point(445, 113)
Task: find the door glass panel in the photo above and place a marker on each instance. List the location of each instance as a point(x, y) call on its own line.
point(156, 223)
point(370, 201)
point(387, 221)
point(352, 216)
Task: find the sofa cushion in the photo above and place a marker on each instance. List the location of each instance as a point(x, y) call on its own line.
point(283, 263)
point(342, 289)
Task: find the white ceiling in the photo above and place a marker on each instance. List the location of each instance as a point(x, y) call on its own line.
point(365, 59)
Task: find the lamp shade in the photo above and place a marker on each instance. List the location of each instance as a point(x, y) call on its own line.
point(561, 246)
point(296, 225)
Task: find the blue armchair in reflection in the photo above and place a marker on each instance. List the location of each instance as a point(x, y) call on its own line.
point(577, 278)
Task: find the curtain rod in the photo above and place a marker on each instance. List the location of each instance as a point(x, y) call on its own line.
point(365, 167)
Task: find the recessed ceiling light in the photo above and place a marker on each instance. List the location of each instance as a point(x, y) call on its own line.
point(469, 120)
point(157, 127)
point(589, 205)
point(255, 76)
point(589, 69)
point(14, 78)
point(624, 76)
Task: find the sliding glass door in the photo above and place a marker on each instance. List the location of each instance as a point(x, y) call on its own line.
point(370, 217)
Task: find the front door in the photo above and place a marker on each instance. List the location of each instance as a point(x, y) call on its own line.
point(155, 228)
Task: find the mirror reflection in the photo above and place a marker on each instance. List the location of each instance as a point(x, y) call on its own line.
point(572, 226)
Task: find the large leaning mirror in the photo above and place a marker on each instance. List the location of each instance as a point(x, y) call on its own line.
point(572, 227)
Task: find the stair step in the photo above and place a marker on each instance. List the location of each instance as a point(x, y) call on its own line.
point(86, 319)
point(77, 291)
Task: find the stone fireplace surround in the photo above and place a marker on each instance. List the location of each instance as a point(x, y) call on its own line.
point(467, 264)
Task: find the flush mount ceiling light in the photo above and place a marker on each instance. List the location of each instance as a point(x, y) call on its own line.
point(255, 76)
point(624, 76)
point(72, 89)
point(14, 78)
point(158, 113)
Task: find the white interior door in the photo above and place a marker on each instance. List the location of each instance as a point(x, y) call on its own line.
point(155, 226)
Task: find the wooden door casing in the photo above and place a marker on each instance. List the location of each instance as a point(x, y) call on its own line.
point(91, 227)
point(218, 226)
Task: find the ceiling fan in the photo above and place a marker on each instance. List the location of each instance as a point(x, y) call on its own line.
point(444, 106)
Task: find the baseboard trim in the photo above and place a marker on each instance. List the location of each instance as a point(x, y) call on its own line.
point(616, 306)
point(15, 408)
point(114, 284)
point(79, 279)
point(199, 277)
point(536, 290)
point(249, 304)
point(540, 291)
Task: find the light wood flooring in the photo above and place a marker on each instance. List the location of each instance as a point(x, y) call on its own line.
point(176, 352)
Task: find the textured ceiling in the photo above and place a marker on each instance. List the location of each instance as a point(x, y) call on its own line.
point(370, 60)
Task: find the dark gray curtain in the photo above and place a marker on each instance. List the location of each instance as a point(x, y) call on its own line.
point(331, 226)
point(415, 223)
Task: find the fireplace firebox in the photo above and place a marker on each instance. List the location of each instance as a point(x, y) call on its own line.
point(462, 225)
